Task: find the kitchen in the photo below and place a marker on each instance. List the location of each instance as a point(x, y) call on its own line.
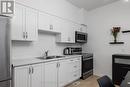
point(46, 29)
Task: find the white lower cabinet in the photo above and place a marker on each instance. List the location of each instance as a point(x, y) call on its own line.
point(36, 76)
point(51, 70)
point(49, 74)
point(72, 69)
point(28, 76)
point(63, 74)
point(21, 76)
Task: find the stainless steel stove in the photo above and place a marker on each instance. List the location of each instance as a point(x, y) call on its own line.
point(87, 65)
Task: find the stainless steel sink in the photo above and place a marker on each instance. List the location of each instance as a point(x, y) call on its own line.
point(50, 57)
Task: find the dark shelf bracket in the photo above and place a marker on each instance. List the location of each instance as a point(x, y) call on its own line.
point(127, 31)
point(116, 42)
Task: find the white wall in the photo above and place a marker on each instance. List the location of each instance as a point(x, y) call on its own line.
point(22, 50)
point(100, 21)
point(60, 8)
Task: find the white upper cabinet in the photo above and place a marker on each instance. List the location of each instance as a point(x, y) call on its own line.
point(48, 22)
point(24, 24)
point(44, 21)
point(71, 32)
point(81, 28)
point(67, 32)
point(31, 24)
point(56, 22)
point(17, 23)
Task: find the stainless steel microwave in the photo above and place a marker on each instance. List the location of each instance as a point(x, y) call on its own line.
point(80, 37)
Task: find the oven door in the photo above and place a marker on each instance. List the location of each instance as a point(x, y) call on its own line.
point(87, 65)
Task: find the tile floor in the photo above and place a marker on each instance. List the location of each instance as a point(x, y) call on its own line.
point(89, 82)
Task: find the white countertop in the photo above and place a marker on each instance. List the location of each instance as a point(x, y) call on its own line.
point(30, 61)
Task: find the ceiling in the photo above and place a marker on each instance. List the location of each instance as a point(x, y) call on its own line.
point(91, 4)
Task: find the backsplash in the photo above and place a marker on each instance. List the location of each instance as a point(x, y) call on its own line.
point(21, 50)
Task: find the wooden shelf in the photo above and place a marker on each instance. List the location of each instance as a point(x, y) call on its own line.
point(127, 31)
point(116, 42)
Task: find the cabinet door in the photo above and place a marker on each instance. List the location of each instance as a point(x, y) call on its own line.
point(75, 69)
point(17, 23)
point(73, 76)
point(44, 21)
point(67, 32)
point(83, 28)
point(31, 24)
point(69, 71)
point(63, 73)
point(51, 77)
point(56, 22)
point(71, 32)
point(36, 76)
point(64, 37)
point(21, 77)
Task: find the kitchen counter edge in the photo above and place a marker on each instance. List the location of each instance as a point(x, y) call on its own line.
point(32, 61)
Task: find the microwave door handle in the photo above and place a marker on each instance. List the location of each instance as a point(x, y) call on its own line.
point(81, 40)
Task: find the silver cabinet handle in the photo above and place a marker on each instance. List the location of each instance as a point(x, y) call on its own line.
point(75, 66)
point(57, 65)
point(30, 70)
point(24, 35)
point(75, 75)
point(51, 27)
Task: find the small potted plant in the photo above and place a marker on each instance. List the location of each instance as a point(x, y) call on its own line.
point(115, 32)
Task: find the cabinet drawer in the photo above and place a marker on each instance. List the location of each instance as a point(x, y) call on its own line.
point(74, 76)
point(74, 64)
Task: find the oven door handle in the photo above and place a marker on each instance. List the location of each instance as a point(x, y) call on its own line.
point(87, 59)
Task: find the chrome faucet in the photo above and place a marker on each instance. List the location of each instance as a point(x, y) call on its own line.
point(46, 53)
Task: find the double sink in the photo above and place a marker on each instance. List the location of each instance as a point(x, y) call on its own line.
point(50, 57)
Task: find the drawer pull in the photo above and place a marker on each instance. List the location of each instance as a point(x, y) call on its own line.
point(75, 66)
point(32, 70)
point(75, 75)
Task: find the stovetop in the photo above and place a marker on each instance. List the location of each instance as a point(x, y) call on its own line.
point(87, 55)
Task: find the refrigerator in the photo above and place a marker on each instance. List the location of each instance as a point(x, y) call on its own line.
point(5, 64)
